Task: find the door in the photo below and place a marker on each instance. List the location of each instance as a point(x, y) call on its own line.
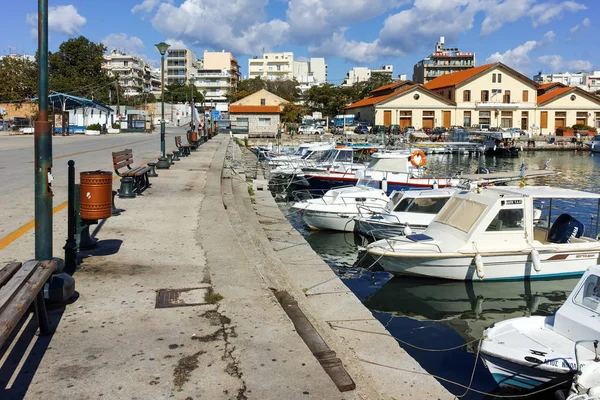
point(559, 123)
point(387, 117)
point(405, 121)
point(544, 122)
point(447, 119)
point(524, 123)
point(428, 123)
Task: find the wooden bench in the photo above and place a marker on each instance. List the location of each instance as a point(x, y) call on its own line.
point(183, 148)
point(21, 285)
point(124, 159)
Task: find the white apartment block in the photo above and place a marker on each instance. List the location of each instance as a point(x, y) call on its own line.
point(593, 81)
point(217, 74)
point(273, 66)
point(24, 57)
point(442, 61)
point(180, 65)
point(363, 74)
point(579, 79)
point(135, 75)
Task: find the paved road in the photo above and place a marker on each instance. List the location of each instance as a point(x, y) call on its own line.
point(89, 152)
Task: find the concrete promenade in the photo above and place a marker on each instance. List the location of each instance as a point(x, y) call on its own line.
point(226, 249)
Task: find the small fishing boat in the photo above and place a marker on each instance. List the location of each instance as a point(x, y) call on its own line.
point(594, 144)
point(527, 352)
point(409, 212)
point(338, 207)
point(496, 233)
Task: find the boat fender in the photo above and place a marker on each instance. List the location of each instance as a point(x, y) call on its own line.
point(479, 265)
point(407, 231)
point(535, 260)
point(384, 185)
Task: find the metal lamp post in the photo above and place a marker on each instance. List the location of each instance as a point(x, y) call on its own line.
point(203, 113)
point(163, 162)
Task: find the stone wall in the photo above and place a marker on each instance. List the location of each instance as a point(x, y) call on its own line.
point(24, 110)
point(256, 123)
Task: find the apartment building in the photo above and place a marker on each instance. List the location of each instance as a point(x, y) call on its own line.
point(492, 94)
point(217, 74)
point(579, 79)
point(135, 75)
point(274, 66)
point(180, 65)
point(442, 61)
point(363, 74)
point(593, 81)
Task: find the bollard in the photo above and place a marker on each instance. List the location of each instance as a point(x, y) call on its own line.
point(114, 211)
point(126, 190)
point(170, 158)
point(152, 173)
point(71, 244)
point(176, 155)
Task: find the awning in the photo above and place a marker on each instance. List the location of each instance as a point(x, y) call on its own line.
point(65, 102)
point(419, 135)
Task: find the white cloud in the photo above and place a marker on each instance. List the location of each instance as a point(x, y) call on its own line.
point(557, 64)
point(61, 19)
point(518, 58)
point(236, 25)
point(585, 23)
point(499, 14)
point(543, 13)
point(359, 52)
point(145, 6)
point(176, 44)
point(120, 41)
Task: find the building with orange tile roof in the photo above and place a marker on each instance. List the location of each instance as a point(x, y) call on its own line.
point(258, 113)
point(491, 95)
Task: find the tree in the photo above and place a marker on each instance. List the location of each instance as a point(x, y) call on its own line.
point(182, 93)
point(287, 89)
point(328, 99)
point(19, 79)
point(377, 79)
point(293, 112)
point(76, 68)
point(284, 88)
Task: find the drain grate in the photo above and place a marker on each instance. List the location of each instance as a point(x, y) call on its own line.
point(166, 298)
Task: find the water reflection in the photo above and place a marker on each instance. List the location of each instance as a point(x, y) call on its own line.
point(469, 307)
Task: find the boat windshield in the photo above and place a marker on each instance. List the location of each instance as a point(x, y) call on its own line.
point(597, 138)
point(368, 182)
point(461, 214)
point(344, 156)
point(588, 295)
point(301, 151)
point(318, 155)
point(423, 205)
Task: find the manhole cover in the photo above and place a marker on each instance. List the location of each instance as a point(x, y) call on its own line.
point(180, 297)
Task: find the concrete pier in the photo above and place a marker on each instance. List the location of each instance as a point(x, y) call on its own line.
point(212, 249)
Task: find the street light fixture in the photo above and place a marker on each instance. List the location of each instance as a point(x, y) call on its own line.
point(163, 162)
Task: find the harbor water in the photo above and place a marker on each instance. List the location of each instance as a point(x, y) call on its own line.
point(440, 322)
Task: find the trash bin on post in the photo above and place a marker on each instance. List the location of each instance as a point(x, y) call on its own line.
point(95, 195)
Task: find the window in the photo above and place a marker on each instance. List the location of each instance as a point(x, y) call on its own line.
point(507, 220)
point(264, 121)
point(263, 102)
point(466, 95)
point(430, 205)
point(499, 78)
point(506, 119)
point(450, 94)
point(525, 96)
point(581, 118)
point(506, 98)
point(597, 118)
point(493, 78)
point(429, 114)
point(461, 214)
point(484, 117)
point(588, 295)
point(467, 119)
point(406, 113)
point(485, 96)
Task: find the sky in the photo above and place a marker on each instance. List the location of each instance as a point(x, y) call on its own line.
point(528, 35)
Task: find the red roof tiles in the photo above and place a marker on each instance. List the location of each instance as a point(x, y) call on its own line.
point(255, 109)
point(455, 78)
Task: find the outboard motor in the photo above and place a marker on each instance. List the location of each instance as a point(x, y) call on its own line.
point(565, 228)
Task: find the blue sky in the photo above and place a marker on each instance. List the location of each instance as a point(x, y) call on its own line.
point(529, 35)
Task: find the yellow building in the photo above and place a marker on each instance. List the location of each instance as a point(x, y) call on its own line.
point(491, 95)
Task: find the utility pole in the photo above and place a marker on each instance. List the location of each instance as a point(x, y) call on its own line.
point(118, 107)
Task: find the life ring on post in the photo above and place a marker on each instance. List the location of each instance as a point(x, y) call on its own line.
point(418, 158)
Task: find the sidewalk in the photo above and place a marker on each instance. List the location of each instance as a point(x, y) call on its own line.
point(227, 336)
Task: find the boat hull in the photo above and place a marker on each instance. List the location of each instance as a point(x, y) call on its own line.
point(334, 221)
point(495, 266)
point(327, 182)
point(513, 375)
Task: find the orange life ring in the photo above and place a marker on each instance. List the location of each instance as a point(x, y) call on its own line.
point(414, 155)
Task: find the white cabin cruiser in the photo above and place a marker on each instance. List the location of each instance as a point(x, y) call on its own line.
point(338, 207)
point(409, 212)
point(527, 352)
point(493, 233)
point(314, 154)
point(300, 152)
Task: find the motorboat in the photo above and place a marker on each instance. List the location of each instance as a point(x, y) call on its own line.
point(409, 212)
point(528, 352)
point(496, 233)
point(594, 144)
point(312, 155)
point(301, 151)
point(398, 170)
point(338, 207)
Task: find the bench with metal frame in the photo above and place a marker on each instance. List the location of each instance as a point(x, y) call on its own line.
point(184, 149)
point(20, 286)
point(124, 159)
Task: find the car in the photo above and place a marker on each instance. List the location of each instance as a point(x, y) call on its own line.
point(394, 129)
point(337, 130)
point(378, 130)
point(361, 128)
point(310, 130)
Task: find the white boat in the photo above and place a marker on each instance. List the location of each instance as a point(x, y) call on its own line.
point(300, 152)
point(594, 144)
point(338, 207)
point(409, 212)
point(494, 233)
point(527, 352)
point(314, 154)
